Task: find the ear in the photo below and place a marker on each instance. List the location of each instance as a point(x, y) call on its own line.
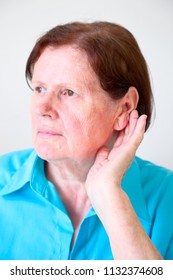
point(127, 104)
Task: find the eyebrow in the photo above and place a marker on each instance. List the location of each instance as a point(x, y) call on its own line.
point(37, 82)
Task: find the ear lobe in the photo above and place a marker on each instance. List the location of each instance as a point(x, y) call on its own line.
point(122, 121)
point(127, 104)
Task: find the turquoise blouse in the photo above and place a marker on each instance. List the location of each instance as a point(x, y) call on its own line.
point(34, 224)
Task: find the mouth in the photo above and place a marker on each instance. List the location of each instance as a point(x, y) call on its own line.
point(47, 133)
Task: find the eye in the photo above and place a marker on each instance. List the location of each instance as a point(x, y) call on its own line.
point(68, 92)
point(39, 89)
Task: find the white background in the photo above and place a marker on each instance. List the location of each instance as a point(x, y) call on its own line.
point(22, 22)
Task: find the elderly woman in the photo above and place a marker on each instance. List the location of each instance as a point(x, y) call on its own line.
point(82, 193)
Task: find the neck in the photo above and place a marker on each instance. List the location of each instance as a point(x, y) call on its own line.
point(68, 171)
point(69, 179)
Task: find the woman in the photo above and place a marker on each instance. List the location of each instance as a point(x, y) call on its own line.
point(82, 193)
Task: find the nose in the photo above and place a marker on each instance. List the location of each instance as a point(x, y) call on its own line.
point(47, 105)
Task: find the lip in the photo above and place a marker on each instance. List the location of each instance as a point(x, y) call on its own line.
point(46, 133)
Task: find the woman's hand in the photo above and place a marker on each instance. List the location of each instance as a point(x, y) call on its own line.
point(110, 166)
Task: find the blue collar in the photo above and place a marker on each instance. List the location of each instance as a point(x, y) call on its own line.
point(22, 176)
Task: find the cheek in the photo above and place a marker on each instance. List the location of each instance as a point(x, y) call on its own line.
point(75, 129)
point(88, 133)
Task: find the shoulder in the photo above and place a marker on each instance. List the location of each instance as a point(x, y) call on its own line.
point(157, 188)
point(152, 174)
point(11, 162)
point(15, 159)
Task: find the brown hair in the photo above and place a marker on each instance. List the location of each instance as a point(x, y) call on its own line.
point(113, 54)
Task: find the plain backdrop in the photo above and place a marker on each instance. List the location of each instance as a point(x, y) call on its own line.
point(22, 22)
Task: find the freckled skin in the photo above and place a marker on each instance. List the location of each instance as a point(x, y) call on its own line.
point(83, 121)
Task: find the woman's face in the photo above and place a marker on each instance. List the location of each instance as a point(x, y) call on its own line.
point(72, 116)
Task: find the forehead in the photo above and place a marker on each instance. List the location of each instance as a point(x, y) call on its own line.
point(65, 62)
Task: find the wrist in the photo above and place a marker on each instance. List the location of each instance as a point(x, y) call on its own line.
point(115, 207)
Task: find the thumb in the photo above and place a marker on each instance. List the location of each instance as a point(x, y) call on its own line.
point(102, 155)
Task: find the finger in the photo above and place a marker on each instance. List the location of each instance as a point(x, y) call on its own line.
point(141, 124)
point(139, 130)
point(119, 139)
point(132, 123)
point(101, 155)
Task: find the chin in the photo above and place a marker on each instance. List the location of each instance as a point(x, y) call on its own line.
point(48, 153)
